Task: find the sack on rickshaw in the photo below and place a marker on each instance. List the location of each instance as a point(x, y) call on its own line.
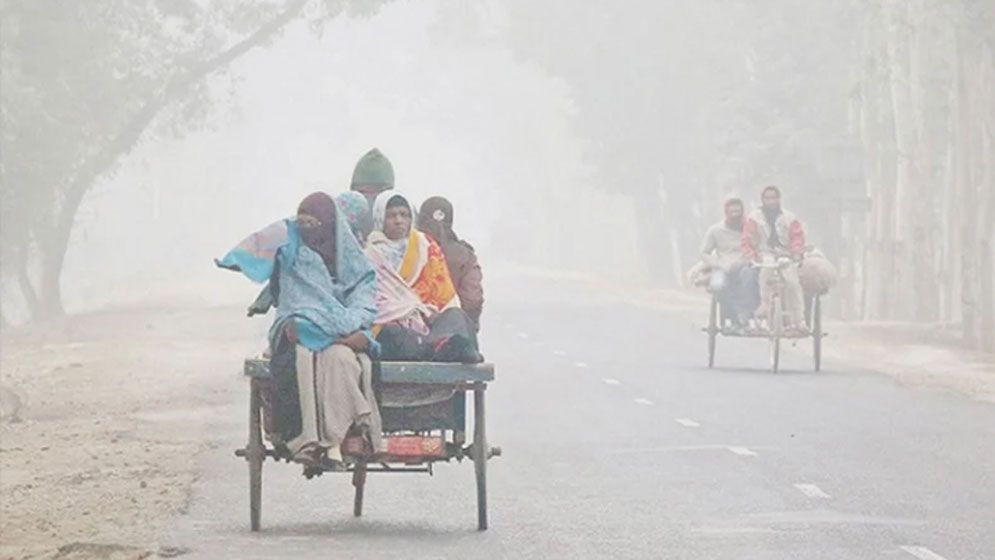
point(816, 274)
point(699, 275)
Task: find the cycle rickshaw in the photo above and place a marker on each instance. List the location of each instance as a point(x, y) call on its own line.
point(417, 436)
point(773, 329)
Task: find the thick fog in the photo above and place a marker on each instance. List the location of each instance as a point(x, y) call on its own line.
point(599, 138)
point(807, 374)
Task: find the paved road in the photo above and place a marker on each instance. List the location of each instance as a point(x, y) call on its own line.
point(618, 443)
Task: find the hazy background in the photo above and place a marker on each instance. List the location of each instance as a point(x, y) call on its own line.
point(143, 138)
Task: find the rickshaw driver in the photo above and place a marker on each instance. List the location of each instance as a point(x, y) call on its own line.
point(772, 232)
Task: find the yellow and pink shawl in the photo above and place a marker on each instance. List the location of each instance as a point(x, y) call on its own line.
point(413, 291)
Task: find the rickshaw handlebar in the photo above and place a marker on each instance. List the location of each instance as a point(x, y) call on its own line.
point(779, 263)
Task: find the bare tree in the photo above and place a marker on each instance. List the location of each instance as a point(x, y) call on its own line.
point(85, 82)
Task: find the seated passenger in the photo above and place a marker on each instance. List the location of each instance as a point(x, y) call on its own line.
point(356, 210)
point(436, 219)
point(418, 314)
point(373, 175)
point(324, 289)
point(727, 275)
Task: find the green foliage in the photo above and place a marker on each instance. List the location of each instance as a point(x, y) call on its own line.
point(84, 82)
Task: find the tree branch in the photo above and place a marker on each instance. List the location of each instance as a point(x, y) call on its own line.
point(104, 159)
point(55, 243)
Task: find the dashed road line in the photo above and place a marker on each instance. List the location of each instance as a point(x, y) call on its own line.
point(742, 451)
point(612, 381)
point(687, 422)
point(523, 335)
point(812, 491)
point(559, 353)
point(644, 402)
point(674, 449)
point(922, 553)
point(581, 365)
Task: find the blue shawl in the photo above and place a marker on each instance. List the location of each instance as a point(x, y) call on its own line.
point(324, 308)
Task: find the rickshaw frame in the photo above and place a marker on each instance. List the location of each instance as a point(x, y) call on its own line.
point(775, 333)
point(461, 378)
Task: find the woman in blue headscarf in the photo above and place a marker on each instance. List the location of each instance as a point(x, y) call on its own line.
point(356, 210)
point(324, 290)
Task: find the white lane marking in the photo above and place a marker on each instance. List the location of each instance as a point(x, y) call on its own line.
point(922, 553)
point(687, 422)
point(812, 491)
point(612, 381)
point(742, 451)
point(723, 447)
point(644, 402)
point(523, 335)
point(581, 364)
point(559, 353)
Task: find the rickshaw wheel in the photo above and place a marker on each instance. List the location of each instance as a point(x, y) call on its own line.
point(713, 328)
point(480, 452)
point(777, 320)
point(359, 481)
point(255, 452)
point(817, 333)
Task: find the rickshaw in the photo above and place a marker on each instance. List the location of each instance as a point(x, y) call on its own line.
point(417, 436)
point(773, 328)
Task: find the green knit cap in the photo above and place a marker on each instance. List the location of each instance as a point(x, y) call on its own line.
point(373, 170)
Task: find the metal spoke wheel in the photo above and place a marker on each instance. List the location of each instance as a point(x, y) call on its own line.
point(359, 481)
point(713, 331)
point(480, 454)
point(817, 333)
point(255, 452)
point(776, 330)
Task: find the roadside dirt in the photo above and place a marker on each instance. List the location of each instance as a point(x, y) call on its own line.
point(102, 451)
point(919, 357)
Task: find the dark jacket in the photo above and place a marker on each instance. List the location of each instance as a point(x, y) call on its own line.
point(467, 277)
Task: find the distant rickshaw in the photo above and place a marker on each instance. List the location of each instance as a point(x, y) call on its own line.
point(773, 328)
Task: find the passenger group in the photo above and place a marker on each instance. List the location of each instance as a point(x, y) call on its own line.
point(364, 275)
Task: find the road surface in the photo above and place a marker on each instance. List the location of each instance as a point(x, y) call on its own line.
point(618, 442)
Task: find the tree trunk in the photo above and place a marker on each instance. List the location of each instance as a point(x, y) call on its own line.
point(987, 283)
point(24, 279)
point(912, 218)
point(987, 189)
point(652, 236)
point(922, 194)
point(886, 243)
point(966, 188)
point(50, 289)
point(869, 136)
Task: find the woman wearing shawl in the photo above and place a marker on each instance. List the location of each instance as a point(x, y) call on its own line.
point(436, 219)
point(356, 210)
point(418, 314)
point(324, 290)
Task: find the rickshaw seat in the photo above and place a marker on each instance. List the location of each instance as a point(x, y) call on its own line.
point(435, 373)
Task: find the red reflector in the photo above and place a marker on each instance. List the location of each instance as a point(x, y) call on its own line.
point(415, 446)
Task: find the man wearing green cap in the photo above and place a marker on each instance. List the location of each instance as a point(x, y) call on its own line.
point(373, 175)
